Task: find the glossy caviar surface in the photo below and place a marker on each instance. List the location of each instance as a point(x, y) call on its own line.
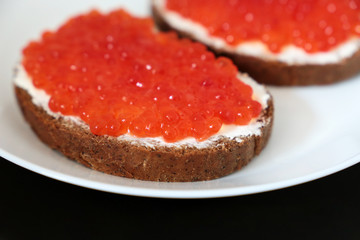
point(120, 76)
point(313, 25)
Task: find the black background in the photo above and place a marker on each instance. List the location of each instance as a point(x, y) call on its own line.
point(36, 207)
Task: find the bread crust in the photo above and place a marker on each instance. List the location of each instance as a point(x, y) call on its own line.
point(126, 159)
point(276, 72)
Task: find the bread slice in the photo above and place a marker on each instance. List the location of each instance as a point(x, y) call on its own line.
point(265, 70)
point(56, 64)
point(143, 158)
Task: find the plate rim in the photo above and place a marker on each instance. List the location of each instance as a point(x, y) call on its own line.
point(177, 194)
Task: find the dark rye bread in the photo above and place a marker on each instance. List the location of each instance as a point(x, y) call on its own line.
point(126, 159)
point(276, 72)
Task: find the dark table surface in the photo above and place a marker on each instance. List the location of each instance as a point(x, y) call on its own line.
point(36, 207)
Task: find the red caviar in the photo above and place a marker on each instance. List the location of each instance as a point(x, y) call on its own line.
point(118, 75)
point(313, 25)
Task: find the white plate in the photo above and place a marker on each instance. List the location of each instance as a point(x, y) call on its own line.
point(316, 130)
